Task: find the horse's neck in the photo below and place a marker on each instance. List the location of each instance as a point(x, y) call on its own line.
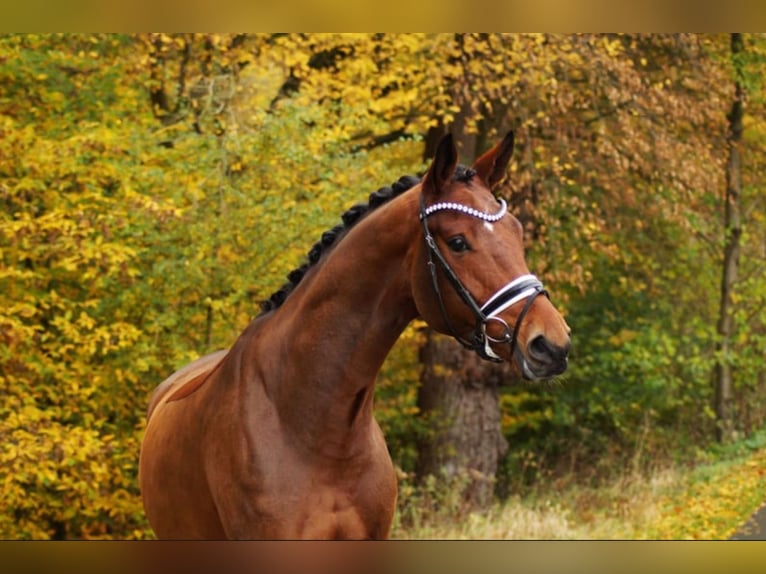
point(331, 336)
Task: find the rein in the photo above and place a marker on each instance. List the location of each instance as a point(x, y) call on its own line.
point(524, 287)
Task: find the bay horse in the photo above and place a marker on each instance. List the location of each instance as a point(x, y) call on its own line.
point(275, 438)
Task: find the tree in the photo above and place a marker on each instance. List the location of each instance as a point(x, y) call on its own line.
point(732, 237)
point(69, 203)
point(465, 444)
point(602, 186)
point(458, 391)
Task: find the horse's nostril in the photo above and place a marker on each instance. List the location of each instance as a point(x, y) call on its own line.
point(541, 349)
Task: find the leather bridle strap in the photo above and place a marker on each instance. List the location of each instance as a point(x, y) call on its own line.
point(463, 293)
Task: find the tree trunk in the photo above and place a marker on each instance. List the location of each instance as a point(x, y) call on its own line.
point(459, 393)
point(733, 232)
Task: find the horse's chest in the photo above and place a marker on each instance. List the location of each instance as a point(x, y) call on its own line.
point(281, 489)
point(354, 505)
point(314, 503)
point(330, 513)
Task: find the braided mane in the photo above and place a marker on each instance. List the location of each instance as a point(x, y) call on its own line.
point(329, 238)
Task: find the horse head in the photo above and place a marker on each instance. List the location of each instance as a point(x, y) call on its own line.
point(469, 277)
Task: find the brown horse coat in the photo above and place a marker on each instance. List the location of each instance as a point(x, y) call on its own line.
point(275, 438)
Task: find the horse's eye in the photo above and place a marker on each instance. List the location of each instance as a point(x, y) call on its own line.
point(458, 244)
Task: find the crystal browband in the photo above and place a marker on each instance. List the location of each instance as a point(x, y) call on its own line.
point(459, 207)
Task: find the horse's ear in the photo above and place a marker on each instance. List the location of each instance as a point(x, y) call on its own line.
point(493, 165)
point(442, 166)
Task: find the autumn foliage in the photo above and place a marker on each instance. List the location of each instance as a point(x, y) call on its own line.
point(155, 188)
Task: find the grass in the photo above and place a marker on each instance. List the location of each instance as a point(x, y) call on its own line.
point(710, 502)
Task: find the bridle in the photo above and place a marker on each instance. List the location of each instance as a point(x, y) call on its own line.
point(526, 287)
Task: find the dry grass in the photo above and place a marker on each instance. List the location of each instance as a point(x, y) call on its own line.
point(709, 502)
point(511, 521)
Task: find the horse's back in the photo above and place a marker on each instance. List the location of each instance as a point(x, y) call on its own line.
point(185, 380)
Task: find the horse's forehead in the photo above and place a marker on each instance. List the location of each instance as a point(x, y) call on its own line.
point(472, 192)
